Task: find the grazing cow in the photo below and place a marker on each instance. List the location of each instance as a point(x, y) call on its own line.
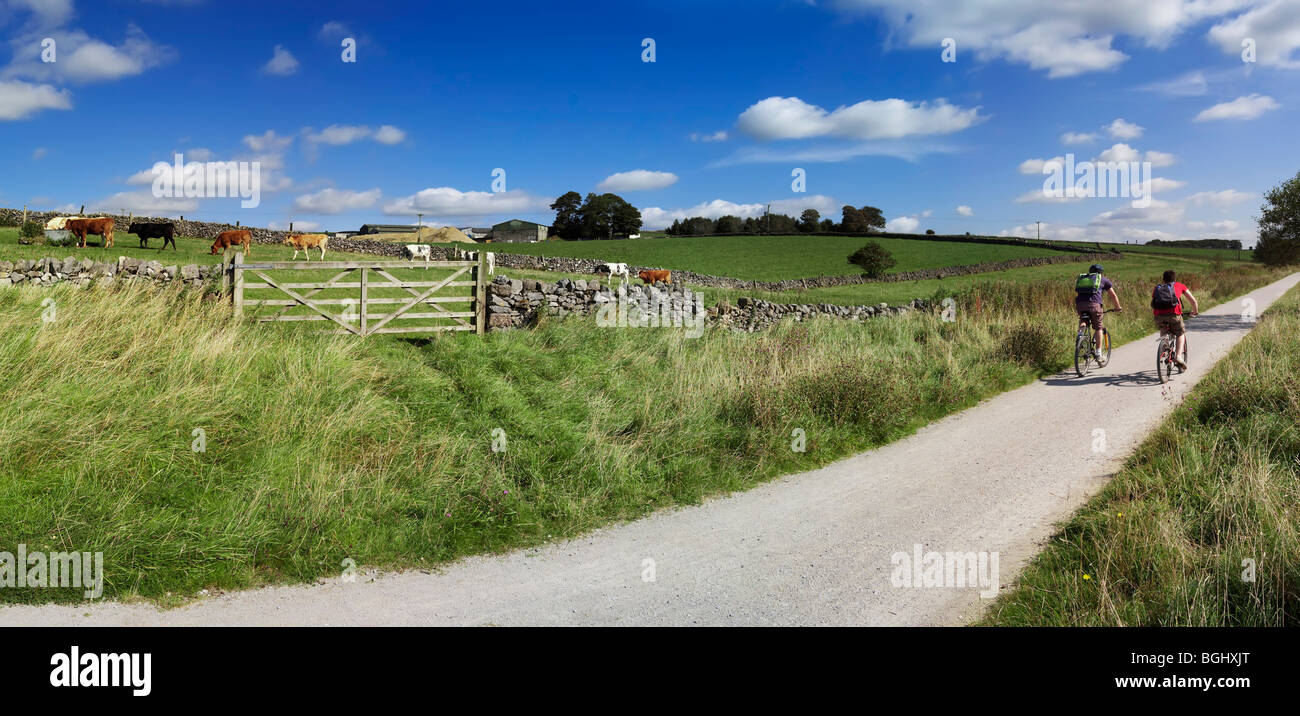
point(305, 243)
point(164, 230)
point(227, 239)
point(99, 227)
point(614, 270)
point(420, 251)
point(491, 260)
point(653, 277)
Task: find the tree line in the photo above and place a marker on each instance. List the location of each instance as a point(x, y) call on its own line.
point(599, 216)
point(853, 220)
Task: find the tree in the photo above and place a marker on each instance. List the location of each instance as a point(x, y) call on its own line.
point(929, 232)
point(605, 216)
point(864, 220)
point(809, 220)
point(568, 216)
point(873, 259)
point(827, 225)
point(729, 225)
point(1279, 225)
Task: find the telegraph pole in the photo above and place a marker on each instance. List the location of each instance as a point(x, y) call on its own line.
point(1040, 230)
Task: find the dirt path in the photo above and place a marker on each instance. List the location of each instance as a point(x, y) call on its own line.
point(812, 548)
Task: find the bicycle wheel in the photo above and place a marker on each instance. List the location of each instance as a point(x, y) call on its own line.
point(1105, 348)
point(1163, 362)
point(1082, 354)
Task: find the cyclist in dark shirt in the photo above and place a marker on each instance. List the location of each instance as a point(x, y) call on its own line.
point(1089, 306)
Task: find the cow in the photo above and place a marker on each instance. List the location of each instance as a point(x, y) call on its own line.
point(100, 227)
point(305, 243)
point(420, 251)
point(227, 239)
point(614, 270)
point(164, 230)
point(491, 260)
point(653, 277)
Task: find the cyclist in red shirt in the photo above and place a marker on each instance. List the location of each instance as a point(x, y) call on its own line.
point(1167, 305)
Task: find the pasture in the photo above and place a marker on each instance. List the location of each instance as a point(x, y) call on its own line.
point(319, 448)
point(188, 250)
point(774, 258)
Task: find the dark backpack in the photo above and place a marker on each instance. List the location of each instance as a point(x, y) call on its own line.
point(1164, 296)
point(1088, 283)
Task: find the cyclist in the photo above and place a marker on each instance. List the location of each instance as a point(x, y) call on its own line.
point(1090, 289)
point(1167, 305)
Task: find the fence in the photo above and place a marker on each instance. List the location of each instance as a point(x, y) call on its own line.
point(353, 286)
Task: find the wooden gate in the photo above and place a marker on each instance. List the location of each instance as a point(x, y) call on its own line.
point(361, 287)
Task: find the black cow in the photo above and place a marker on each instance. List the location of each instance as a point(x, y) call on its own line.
point(160, 230)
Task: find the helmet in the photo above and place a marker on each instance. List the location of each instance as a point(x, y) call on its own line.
point(1095, 268)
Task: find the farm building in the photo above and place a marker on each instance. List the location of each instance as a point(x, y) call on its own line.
point(518, 230)
point(475, 232)
point(388, 229)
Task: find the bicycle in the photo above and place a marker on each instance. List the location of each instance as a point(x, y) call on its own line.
point(1084, 344)
point(1165, 365)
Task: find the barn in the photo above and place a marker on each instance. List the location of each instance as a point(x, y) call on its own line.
point(518, 230)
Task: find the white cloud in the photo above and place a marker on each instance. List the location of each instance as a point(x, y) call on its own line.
point(445, 200)
point(792, 118)
point(388, 134)
point(282, 63)
point(1065, 39)
point(198, 154)
point(637, 180)
point(1192, 84)
point(1275, 28)
point(718, 136)
point(1120, 153)
point(83, 59)
point(902, 224)
point(267, 142)
point(1248, 107)
point(1078, 138)
point(1227, 197)
point(337, 134)
point(20, 100)
point(1035, 166)
point(39, 152)
point(965, 210)
point(298, 225)
point(334, 30)
point(1159, 159)
point(1038, 196)
point(1121, 129)
point(1159, 212)
point(336, 201)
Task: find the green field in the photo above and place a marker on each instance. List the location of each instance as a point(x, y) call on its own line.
point(1218, 483)
point(774, 258)
point(320, 448)
point(188, 250)
point(1187, 252)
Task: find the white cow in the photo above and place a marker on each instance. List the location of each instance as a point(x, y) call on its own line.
point(420, 251)
point(491, 260)
point(614, 270)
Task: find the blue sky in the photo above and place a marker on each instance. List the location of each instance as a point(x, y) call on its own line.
point(853, 92)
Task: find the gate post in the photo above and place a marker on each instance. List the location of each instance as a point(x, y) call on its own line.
point(480, 293)
point(365, 275)
point(238, 293)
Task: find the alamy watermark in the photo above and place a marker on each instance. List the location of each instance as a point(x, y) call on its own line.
point(209, 180)
point(654, 309)
point(53, 570)
point(959, 570)
point(1071, 180)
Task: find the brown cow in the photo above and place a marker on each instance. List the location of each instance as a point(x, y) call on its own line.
point(653, 277)
point(227, 239)
point(99, 227)
point(305, 242)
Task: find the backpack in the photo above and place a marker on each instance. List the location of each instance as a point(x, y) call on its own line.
point(1088, 283)
point(1164, 296)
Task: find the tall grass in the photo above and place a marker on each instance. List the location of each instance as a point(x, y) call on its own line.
point(1166, 542)
point(321, 448)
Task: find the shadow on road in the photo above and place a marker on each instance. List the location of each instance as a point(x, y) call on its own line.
point(1141, 379)
point(1219, 324)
